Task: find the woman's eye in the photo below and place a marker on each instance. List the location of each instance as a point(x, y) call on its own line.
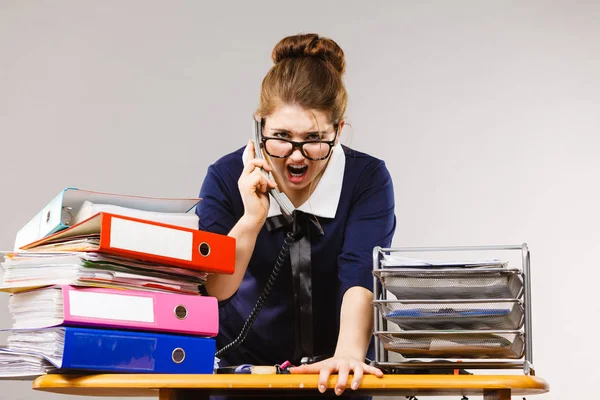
point(281, 135)
point(312, 137)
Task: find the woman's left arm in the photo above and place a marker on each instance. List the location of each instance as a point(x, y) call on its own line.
point(371, 223)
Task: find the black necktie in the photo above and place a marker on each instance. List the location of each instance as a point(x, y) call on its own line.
point(301, 224)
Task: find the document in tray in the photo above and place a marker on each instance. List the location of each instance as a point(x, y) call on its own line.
point(447, 312)
point(398, 261)
point(457, 344)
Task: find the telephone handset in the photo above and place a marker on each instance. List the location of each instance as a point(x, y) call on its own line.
point(287, 208)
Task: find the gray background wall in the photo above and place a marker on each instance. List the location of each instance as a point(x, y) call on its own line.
point(487, 114)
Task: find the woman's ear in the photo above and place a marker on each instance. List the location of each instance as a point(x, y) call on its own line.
point(339, 131)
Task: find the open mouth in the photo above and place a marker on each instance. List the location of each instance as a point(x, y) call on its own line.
point(297, 171)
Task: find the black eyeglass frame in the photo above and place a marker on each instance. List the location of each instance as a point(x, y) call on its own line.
point(300, 145)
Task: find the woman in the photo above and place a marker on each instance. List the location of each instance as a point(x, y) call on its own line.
point(320, 302)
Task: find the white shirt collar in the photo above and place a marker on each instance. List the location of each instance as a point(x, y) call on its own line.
point(324, 200)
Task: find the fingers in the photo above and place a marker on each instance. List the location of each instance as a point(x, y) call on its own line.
point(369, 369)
point(358, 369)
point(254, 182)
point(325, 371)
point(254, 165)
point(357, 376)
point(342, 380)
point(253, 176)
point(343, 369)
point(251, 151)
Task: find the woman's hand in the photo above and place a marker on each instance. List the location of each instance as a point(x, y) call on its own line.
point(253, 185)
point(343, 366)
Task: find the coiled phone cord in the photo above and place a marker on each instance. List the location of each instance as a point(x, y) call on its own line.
point(263, 296)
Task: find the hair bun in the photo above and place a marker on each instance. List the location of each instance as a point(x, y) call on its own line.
point(310, 45)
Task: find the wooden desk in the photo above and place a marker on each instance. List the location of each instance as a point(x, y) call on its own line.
point(187, 387)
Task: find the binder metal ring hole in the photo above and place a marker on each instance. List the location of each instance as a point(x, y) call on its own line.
point(180, 312)
point(48, 214)
point(178, 355)
point(204, 249)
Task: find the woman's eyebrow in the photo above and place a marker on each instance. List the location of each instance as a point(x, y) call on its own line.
point(301, 133)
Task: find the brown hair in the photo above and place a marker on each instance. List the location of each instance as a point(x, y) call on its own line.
point(307, 72)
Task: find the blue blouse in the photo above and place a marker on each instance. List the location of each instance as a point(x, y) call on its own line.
point(341, 258)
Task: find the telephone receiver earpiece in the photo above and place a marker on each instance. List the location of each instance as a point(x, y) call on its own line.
point(286, 206)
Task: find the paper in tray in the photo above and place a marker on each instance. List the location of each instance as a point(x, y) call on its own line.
point(395, 261)
point(471, 345)
point(451, 283)
point(465, 315)
point(446, 312)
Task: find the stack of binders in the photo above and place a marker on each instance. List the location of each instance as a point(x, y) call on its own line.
point(107, 282)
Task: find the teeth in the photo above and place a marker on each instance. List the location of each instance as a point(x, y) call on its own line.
point(297, 170)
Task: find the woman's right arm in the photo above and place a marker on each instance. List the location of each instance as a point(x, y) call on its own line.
point(253, 186)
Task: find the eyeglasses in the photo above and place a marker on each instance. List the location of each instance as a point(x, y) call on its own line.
point(314, 150)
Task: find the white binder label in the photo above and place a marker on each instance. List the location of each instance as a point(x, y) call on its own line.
point(151, 239)
point(111, 306)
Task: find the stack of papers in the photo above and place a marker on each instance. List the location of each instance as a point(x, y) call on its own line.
point(397, 261)
point(24, 271)
point(23, 365)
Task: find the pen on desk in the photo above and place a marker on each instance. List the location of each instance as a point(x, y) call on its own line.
point(252, 369)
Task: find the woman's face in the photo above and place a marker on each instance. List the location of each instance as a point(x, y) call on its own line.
point(295, 173)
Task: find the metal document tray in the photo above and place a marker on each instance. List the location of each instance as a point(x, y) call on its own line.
point(454, 345)
point(461, 314)
point(415, 284)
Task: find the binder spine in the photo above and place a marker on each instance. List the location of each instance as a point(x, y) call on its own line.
point(47, 221)
point(164, 243)
point(137, 352)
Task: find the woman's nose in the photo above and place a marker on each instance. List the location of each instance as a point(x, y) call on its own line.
point(296, 155)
